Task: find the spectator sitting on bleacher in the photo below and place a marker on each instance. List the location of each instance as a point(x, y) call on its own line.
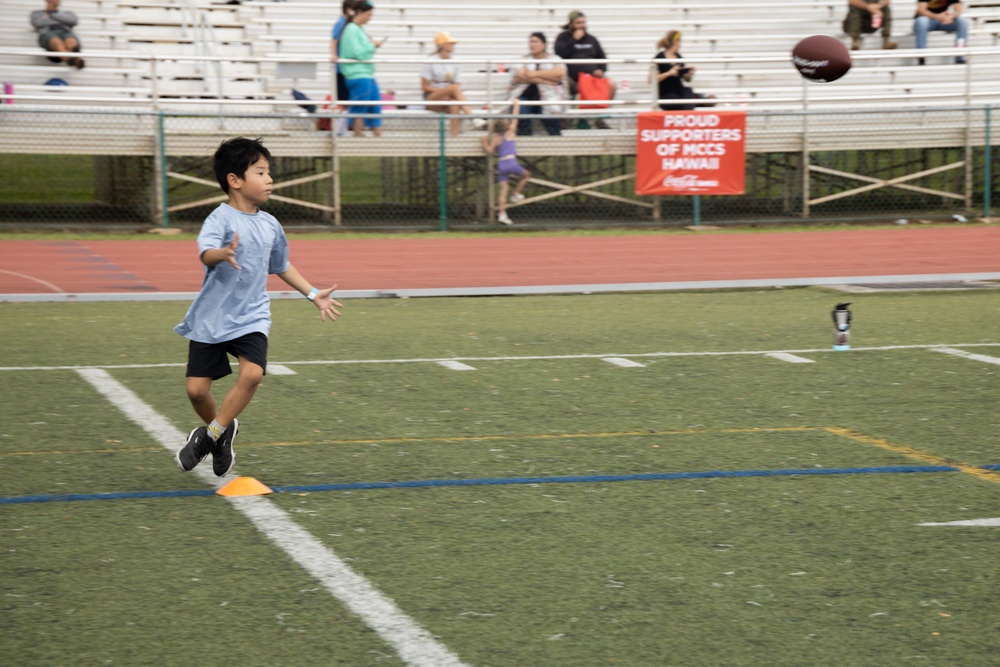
point(355, 44)
point(441, 80)
point(575, 43)
point(672, 78)
point(868, 16)
point(54, 34)
point(940, 15)
point(542, 80)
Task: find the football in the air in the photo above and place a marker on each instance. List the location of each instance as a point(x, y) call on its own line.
point(821, 58)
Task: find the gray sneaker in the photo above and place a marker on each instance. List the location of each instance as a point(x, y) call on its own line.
point(223, 455)
point(197, 448)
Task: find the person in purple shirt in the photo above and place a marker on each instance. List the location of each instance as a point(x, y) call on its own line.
point(239, 245)
point(504, 144)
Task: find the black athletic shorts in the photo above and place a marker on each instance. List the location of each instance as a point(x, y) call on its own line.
point(212, 360)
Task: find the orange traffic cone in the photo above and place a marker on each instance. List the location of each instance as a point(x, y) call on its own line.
point(244, 486)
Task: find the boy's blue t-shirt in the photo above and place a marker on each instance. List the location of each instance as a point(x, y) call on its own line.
point(233, 303)
point(338, 28)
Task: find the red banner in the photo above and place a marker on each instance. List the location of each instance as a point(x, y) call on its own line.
point(690, 153)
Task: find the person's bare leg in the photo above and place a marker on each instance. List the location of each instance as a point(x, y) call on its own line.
point(452, 93)
point(459, 96)
point(199, 391)
point(502, 205)
point(521, 183)
point(58, 45)
point(241, 393)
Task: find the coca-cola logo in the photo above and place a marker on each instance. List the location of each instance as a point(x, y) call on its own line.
point(679, 181)
point(687, 181)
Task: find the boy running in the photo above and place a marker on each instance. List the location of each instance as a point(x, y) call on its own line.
point(240, 245)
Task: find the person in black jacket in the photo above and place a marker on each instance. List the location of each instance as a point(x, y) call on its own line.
point(575, 43)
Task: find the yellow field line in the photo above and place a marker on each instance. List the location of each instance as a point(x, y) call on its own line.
point(463, 438)
point(540, 436)
point(50, 452)
point(988, 475)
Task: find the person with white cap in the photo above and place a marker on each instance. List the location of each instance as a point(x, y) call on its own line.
point(441, 81)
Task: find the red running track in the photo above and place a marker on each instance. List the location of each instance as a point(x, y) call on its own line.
point(387, 264)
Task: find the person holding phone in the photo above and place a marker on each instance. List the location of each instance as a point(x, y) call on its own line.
point(672, 78)
point(355, 44)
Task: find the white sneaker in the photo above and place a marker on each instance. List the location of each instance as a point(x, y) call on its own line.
point(516, 197)
point(504, 219)
point(479, 123)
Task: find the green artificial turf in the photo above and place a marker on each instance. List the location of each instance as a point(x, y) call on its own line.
point(806, 569)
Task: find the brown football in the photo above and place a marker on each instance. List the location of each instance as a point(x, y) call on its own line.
point(821, 58)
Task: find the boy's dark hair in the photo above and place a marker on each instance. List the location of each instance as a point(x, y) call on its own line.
point(540, 36)
point(234, 156)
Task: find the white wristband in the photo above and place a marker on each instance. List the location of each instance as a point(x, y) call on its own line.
point(312, 294)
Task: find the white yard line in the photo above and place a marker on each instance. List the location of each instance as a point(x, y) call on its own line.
point(790, 358)
point(938, 347)
point(968, 355)
point(968, 522)
point(453, 365)
point(623, 362)
point(413, 644)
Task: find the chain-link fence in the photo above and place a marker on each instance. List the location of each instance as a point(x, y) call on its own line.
point(78, 168)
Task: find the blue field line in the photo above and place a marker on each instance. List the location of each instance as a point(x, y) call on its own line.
point(576, 479)
point(496, 481)
point(125, 495)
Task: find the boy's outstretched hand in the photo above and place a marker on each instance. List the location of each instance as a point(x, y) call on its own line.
point(230, 250)
point(327, 304)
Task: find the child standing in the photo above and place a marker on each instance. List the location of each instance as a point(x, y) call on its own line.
point(503, 142)
point(240, 245)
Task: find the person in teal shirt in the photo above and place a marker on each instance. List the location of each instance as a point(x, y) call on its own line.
point(355, 44)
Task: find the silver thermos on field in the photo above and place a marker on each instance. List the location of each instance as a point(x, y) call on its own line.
point(841, 327)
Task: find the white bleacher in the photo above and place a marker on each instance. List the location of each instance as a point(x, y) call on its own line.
point(100, 30)
point(741, 59)
point(630, 30)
